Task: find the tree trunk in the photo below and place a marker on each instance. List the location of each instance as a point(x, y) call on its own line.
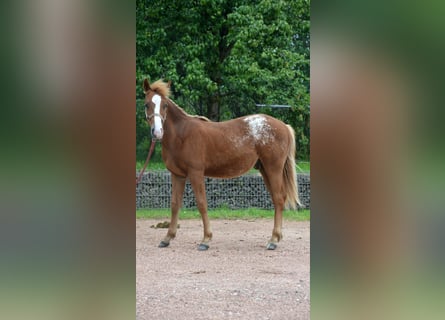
point(213, 108)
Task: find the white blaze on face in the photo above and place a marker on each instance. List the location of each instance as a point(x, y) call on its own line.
point(157, 129)
point(259, 129)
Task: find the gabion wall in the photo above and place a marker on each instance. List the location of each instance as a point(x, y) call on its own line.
point(154, 191)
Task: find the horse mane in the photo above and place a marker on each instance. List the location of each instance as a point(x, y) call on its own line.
point(160, 87)
point(193, 116)
point(202, 118)
point(189, 115)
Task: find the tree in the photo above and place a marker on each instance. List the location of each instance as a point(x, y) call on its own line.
point(224, 56)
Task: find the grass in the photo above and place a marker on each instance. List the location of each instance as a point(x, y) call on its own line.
point(152, 166)
point(302, 166)
point(224, 213)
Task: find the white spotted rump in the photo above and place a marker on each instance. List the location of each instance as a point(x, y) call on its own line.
point(259, 128)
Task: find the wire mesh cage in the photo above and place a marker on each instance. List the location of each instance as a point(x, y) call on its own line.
point(248, 191)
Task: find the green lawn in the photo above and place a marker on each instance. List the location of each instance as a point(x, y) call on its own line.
point(224, 213)
point(152, 166)
point(302, 166)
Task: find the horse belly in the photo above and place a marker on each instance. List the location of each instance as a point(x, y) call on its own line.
point(230, 167)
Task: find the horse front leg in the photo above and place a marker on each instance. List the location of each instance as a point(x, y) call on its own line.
point(198, 186)
point(178, 185)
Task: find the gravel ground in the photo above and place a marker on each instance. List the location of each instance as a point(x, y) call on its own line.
point(237, 278)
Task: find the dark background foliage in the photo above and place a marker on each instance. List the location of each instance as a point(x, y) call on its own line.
point(224, 57)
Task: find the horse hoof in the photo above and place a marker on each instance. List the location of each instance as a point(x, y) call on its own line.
point(163, 244)
point(271, 246)
point(203, 247)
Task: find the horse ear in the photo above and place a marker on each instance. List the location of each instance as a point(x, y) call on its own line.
point(169, 84)
point(146, 86)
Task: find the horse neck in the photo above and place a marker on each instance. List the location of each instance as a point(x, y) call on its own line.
point(175, 118)
point(175, 112)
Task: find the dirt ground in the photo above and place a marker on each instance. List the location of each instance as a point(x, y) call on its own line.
point(237, 278)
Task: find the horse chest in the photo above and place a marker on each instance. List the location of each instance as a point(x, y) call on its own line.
point(172, 164)
point(176, 170)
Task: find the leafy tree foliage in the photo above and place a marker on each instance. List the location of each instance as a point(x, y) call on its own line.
point(226, 56)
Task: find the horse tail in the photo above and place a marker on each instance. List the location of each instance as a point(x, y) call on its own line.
point(290, 175)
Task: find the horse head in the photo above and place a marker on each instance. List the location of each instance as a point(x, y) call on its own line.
point(156, 102)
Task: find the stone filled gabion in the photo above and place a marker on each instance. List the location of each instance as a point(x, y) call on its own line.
point(248, 191)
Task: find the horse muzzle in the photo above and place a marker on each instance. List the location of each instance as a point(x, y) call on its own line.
point(157, 133)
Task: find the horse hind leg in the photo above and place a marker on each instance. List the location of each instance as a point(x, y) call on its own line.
point(178, 185)
point(274, 184)
point(258, 165)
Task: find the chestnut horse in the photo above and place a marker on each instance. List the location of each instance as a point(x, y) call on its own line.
point(194, 147)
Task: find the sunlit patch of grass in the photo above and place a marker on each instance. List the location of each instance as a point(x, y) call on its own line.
point(224, 213)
